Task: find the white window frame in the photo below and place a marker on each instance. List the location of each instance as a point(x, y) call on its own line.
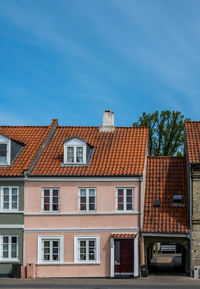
point(124, 198)
point(10, 198)
point(7, 142)
point(41, 239)
point(77, 240)
point(51, 201)
point(9, 259)
point(87, 200)
point(75, 143)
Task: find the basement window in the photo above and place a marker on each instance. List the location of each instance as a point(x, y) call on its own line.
point(178, 200)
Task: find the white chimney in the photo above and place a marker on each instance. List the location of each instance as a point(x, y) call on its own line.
point(108, 121)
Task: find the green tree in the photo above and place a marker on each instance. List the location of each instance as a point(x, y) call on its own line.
point(166, 132)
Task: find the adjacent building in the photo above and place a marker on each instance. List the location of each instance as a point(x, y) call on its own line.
point(19, 149)
point(192, 152)
point(166, 215)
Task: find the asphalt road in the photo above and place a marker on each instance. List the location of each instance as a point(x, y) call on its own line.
point(152, 282)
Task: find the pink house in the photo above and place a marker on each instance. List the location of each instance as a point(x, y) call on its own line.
point(84, 202)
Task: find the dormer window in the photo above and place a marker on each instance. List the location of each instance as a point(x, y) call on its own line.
point(3, 153)
point(5, 145)
point(76, 151)
point(74, 154)
point(9, 150)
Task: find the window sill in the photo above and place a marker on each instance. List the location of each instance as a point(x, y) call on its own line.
point(87, 263)
point(65, 263)
point(9, 261)
point(124, 211)
point(87, 212)
point(11, 211)
point(51, 212)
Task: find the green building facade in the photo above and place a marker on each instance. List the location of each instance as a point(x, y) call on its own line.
point(11, 225)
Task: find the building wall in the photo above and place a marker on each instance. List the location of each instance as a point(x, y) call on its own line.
point(14, 220)
point(195, 217)
point(70, 223)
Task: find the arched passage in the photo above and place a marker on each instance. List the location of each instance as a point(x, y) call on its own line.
point(167, 255)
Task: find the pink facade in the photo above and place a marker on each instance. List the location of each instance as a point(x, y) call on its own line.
point(70, 226)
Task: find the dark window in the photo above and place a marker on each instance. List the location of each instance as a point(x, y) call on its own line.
point(177, 199)
point(3, 154)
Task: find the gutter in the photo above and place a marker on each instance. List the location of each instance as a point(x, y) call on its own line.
point(190, 234)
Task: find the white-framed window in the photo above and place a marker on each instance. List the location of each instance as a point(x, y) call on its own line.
point(9, 247)
point(75, 154)
point(50, 199)
point(86, 249)
point(9, 198)
point(75, 151)
point(50, 249)
point(87, 199)
point(4, 151)
point(125, 199)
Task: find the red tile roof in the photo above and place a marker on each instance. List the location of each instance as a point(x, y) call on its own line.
point(118, 153)
point(33, 137)
point(192, 133)
point(165, 177)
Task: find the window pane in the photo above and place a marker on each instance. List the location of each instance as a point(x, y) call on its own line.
point(5, 247)
point(5, 254)
point(92, 250)
point(46, 200)
point(92, 207)
point(120, 199)
point(6, 198)
point(14, 251)
point(55, 200)
point(83, 192)
point(129, 199)
point(82, 250)
point(46, 247)
point(92, 194)
point(14, 198)
point(55, 252)
point(83, 200)
point(55, 193)
point(3, 153)
point(70, 154)
point(79, 154)
point(46, 193)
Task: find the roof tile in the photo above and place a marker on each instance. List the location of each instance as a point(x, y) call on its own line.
point(165, 177)
point(118, 153)
point(192, 132)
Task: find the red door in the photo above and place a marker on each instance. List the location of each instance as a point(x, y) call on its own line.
point(124, 256)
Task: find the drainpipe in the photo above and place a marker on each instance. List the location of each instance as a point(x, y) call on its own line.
point(139, 224)
point(190, 235)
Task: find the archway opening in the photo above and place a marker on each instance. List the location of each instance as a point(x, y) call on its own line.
point(166, 258)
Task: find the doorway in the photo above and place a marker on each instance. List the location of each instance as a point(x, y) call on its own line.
point(124, 257)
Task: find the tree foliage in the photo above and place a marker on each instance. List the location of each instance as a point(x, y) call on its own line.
point(166, 132)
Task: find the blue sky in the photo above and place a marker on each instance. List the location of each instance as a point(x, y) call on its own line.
point(72, 59)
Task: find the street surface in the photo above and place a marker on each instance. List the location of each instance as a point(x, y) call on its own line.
point(151, 282)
